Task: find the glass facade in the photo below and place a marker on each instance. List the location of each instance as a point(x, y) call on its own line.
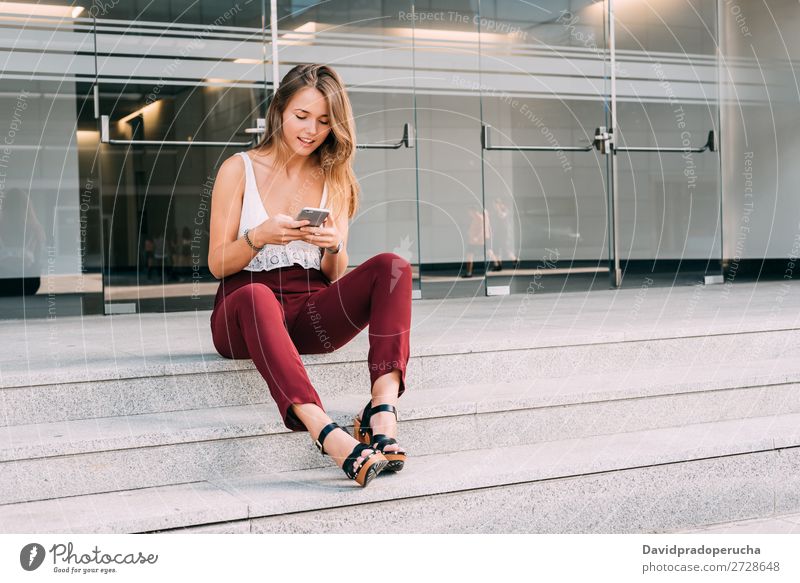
point(504, 146)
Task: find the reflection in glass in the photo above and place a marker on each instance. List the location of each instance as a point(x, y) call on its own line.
point(371, 47)
point(214, 14)
point(544, 87)
point(49, 236)
point(156, 196)
point(22, 245)
point(669, 203)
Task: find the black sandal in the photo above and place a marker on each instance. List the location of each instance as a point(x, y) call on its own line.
point(363, 433)
point(369, 468)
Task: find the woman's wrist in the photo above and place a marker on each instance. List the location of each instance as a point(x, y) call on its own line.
point(251, 240)
point(335, 250)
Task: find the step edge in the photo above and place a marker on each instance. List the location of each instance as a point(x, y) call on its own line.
point(751, 445)
point(21, 381)
point(271, 425)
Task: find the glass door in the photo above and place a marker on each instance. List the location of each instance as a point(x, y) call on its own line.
point(171, 107)
point(544, 223)
point(50, 248)
point(599, 146)
point(503, 147)
point(371, 47)
point(446, 53)
point(667, 123)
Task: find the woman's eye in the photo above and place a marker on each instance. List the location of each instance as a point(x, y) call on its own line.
point(323, 122)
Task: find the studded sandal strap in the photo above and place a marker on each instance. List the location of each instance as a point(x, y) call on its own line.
point(364, 429)
point(323, 434)
point(380, 441)
point(354, 455)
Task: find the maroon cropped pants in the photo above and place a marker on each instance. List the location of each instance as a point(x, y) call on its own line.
point(275, 316)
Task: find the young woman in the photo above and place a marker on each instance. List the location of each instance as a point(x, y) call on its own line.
point(283, 292)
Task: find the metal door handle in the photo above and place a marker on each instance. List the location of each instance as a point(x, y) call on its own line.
point(603, 142)
point(710, 145)
point(407, 140)
point(261, 127)
point(487, 145)
point(105, 138)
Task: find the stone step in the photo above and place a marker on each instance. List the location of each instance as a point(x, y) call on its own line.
point(53, 460)
point(186, 382)
point(778, 524)
point(76, 368)
point(644, 481)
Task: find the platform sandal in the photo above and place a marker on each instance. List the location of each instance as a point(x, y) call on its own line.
point(363, 433)
point(369, 468)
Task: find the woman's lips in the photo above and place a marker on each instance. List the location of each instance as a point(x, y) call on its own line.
point(305, 143)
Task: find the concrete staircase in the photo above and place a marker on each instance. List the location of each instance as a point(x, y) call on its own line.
point(580, 415)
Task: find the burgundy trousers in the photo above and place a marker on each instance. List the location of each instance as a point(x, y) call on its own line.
point(275, 316)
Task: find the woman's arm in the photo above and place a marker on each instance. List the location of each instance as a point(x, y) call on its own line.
point(228, 253)
point(334, 265)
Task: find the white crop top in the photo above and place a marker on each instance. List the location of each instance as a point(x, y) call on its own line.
point(254, 213)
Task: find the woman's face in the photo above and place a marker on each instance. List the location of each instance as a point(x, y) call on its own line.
point(306, 122)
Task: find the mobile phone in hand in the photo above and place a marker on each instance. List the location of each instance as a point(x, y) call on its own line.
point(315, 216)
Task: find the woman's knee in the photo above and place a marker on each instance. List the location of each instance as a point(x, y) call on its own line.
point(391, 262)
point(255, 298)
point(391, 268)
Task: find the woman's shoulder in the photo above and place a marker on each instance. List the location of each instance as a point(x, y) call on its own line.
point(261, 155)
point(232, 166)
point(230, 178)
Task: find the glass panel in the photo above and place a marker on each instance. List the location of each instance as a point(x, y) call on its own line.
point(156, 198)
point(543, 86)
point(212, 13)
point(669, 203)
point(448, 116)
point(760, 149)
point(50, 246)
point(173, 107)
point(227, 44)
point(370, 46)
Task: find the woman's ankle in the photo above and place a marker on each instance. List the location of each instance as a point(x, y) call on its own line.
point(384, 423)
point(338, 446)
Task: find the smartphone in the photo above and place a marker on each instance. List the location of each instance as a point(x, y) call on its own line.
point(316, 216)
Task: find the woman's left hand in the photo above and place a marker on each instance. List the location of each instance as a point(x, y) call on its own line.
point(326, 235)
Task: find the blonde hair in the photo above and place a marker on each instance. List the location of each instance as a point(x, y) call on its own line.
point(336, 153)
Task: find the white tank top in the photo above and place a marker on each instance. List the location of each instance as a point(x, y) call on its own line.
point(254, 213)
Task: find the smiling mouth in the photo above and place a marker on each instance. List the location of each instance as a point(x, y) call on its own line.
point(304, 142)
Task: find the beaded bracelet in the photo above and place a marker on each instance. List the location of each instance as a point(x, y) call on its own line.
point(249, 242)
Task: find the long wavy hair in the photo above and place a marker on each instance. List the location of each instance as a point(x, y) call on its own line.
point(336, 153)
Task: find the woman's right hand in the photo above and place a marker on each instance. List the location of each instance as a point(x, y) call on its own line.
point(277, 230)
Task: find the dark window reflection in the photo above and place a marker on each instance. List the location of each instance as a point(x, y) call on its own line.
point(215, 13)
point(157, 196)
